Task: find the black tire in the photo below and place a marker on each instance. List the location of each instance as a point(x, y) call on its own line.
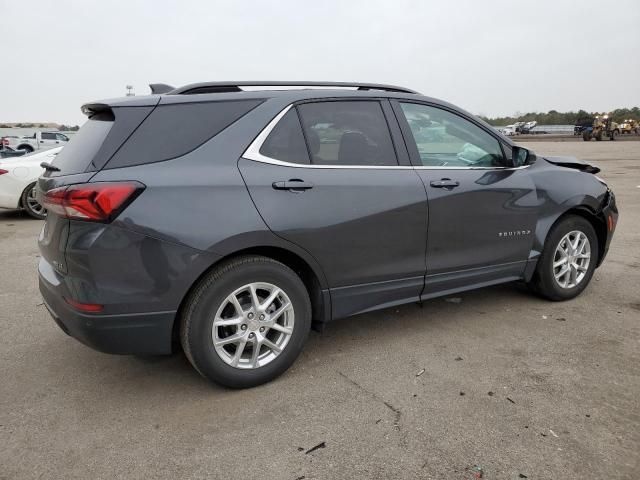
point(208, 296)
point(543, 281)
point(586, 136)
point(33, 208)
point(26, 148)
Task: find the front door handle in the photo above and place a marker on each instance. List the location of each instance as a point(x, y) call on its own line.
point(445, 183)
point(293, 185)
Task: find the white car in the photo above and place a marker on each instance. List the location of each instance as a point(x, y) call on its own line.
point(18, 177)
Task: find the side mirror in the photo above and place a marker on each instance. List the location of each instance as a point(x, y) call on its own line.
point(522, 157)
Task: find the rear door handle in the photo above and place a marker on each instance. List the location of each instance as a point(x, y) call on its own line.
point(445, 183)
point(294, 185)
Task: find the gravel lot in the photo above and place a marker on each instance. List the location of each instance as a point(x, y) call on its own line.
point(501, 381)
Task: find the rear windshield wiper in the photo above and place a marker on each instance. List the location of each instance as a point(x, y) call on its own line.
point(49, 168)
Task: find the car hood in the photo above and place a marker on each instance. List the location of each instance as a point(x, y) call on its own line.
point(572, 162)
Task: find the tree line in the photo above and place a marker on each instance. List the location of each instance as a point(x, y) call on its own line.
point(553, 117)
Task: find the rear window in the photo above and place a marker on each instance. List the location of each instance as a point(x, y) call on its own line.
point(84, 145)
point(175, 130)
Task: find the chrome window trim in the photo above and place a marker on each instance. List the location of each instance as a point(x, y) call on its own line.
point(253, 153)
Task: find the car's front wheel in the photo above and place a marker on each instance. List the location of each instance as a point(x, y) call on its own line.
point(246, 321)
point(30, 203)
point(568, 260)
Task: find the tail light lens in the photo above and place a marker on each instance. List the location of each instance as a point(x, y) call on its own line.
point(2, 171)
point(94, 202)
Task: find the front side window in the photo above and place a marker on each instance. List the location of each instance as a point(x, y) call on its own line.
point(347, 133)
point(445, 139)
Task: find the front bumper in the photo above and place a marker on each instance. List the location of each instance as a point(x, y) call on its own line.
point(139, 333)
point(610, 214)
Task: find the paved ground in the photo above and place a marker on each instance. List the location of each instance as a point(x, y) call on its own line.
point(511, 383)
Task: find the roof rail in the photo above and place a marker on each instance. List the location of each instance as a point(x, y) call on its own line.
point(219, 87)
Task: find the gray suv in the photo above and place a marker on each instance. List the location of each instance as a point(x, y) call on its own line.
point(230, 220)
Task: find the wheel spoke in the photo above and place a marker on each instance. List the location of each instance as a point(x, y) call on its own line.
point(281, 328)
point(236, 304)
point(270, 299)
point(254, 297)
point(275, 315)
point(224, 322)
point(560, 262)
point(573, 276)
point(238, 354)
point(563, 271)
point(256, 352)
point(269, 344)
point(230, 339)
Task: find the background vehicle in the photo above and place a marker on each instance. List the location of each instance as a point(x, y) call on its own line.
point(18, 177)
point(603, 126)
point(38, 141)
point(234, 220)
point(630, 127)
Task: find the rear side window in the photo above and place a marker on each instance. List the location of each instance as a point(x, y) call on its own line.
point(347, 133)
point(286, 141)
point(175, 130)
point(76, 155)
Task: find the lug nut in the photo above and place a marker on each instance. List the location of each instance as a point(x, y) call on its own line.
point(250, 316)
point(261, 317)
point(251, 335)
point(243, 327)
point(261, 329)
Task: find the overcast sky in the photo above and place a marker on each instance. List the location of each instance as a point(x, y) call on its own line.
point(489, 57)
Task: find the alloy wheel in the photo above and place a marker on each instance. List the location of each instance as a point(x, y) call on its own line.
point(571, 259)
point(32, 203)
point(253, 325)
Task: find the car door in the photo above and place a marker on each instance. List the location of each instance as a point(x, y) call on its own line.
point(482, 210)
point(325, 176)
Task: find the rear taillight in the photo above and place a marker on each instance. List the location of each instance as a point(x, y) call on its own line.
point(2, 171)
point(94, 202)
point(84, 307)
point(4, 141)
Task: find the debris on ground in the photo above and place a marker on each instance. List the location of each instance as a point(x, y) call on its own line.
point(511, 400)
point(544, 317)
point(458, 359)
point(462, 394)
point(420, 372)
point(522, 475)
point(543, 434)
point(453, 300)
point(588, 416)
point(378, 421)
point(477, 472)
point(553, 433)
point(561, 319)
point(301, 477)
point(317, 447)
point(491, 394)
point(300, 449)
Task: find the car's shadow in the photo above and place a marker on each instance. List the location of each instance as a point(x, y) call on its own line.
point(360, 331)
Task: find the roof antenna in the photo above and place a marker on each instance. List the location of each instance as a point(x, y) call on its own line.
point(160, 88)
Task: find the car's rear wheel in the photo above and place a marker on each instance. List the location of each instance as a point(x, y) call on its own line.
point(568, 260)
point(26, 148)
point(246, 321)
point(30, 203)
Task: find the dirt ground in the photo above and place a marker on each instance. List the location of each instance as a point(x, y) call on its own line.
point(501, 382)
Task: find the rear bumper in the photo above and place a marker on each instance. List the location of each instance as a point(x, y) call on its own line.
point(140, 333)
